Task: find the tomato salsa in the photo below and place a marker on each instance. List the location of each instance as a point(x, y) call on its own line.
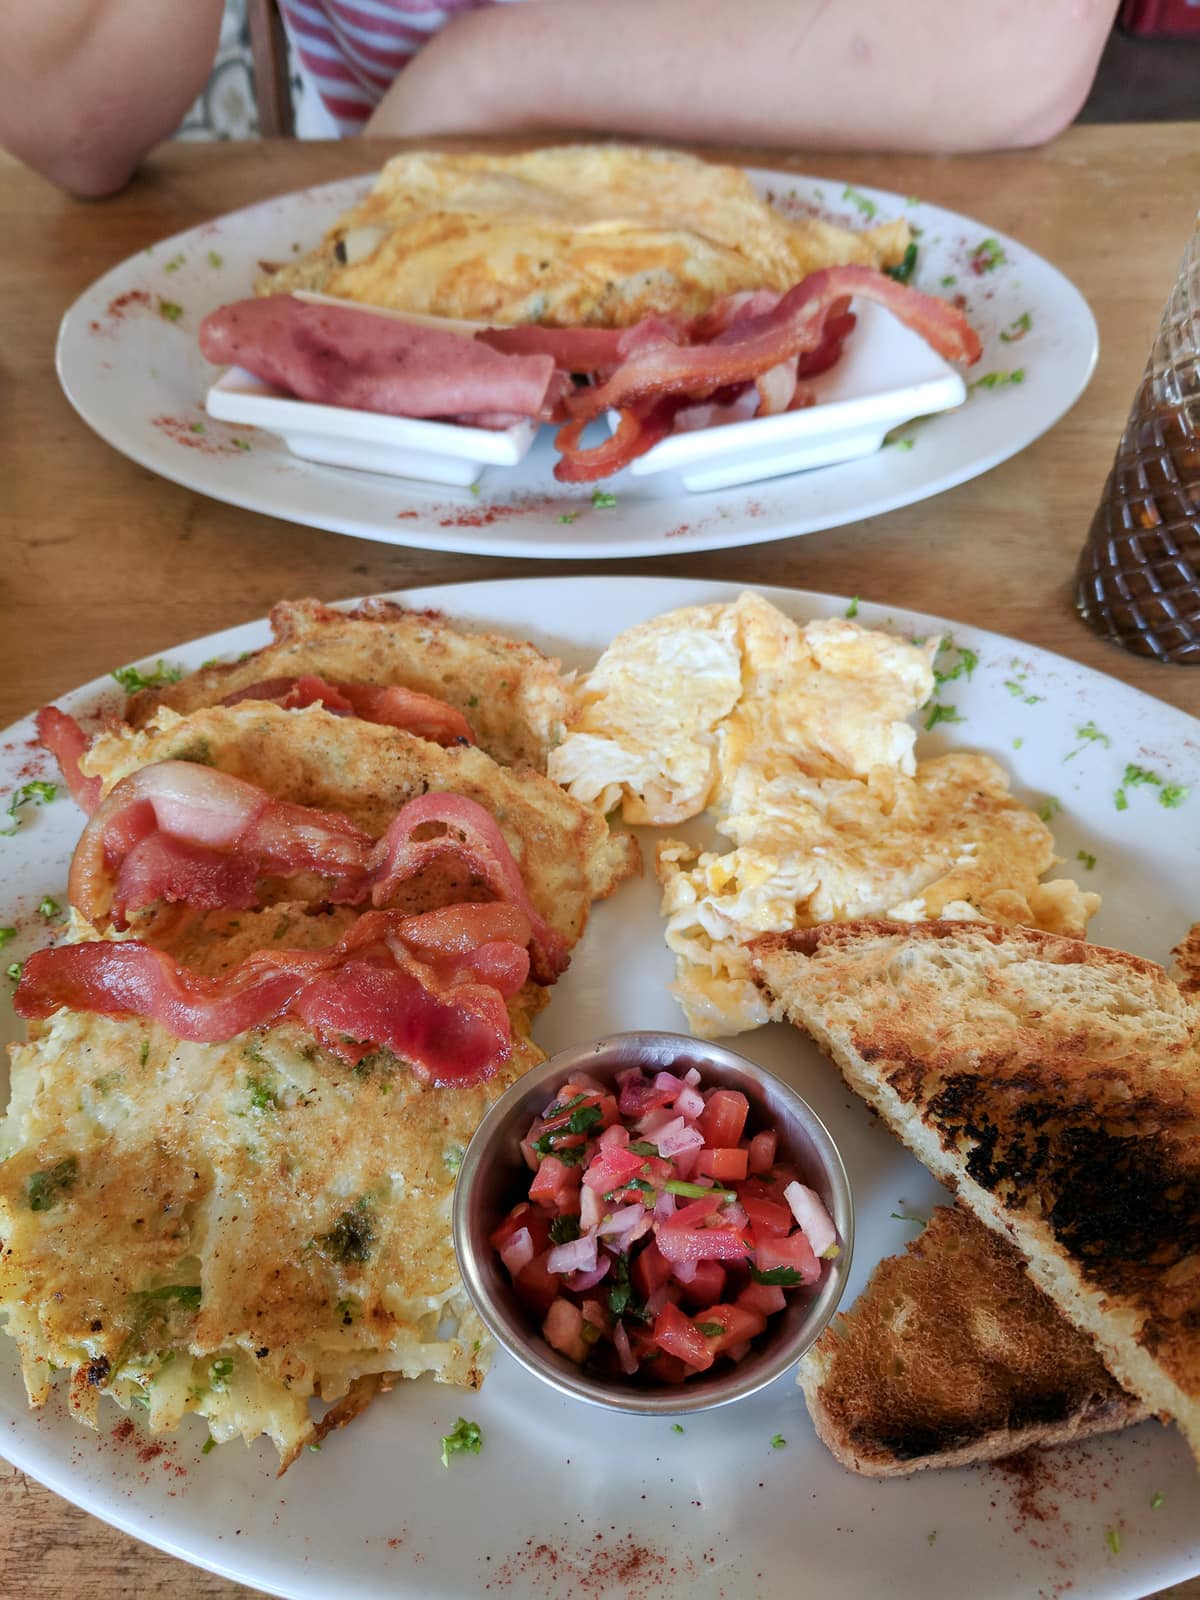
point(660, 1234)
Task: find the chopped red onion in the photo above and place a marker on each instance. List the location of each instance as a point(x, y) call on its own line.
point(579, 1281)
point(685, 1271)
point(649, 1125)
point(625, 1354)
point(668, 1080)
point(692, 1077)
point(689, 1102)
point(518, 1252)
point(591, 1208)
point(664, 1207)
point(577, 1255)
point(676, 1137)
point(621, 1221)
point(811, 1216)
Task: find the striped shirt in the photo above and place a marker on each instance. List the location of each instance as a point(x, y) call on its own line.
point(351, 50)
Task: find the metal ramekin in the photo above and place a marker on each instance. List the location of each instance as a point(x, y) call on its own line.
point(493, 1177)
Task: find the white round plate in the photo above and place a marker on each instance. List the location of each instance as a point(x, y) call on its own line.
point(128, 361)
point(566, 1499)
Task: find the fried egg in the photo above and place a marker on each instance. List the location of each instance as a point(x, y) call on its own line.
point(596, 235)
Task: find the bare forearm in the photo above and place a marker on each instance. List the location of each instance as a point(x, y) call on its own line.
point(865, 74)
point(88, 86)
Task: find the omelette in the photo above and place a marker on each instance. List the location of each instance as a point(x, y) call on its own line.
point(593, 235)
point(239, 1228)
point(796, 741)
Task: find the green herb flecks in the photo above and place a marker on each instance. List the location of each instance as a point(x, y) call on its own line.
point(949, 281)
point(219, 1374)
point(962, 667)
point(465, 1438)
point(998, 380)
point(852, 609)
point(776, 1277)
point(914, 1217)
point(44, 1189)
point(1156, 1499)
point(987, 255)
point(241, 444)
point(348, 1310)
point(711, 1330)
point(603, 500)
point(209, 1445)
point(865, 208)
point(14, 970)
point(352, 1237)
point(132, 679)
point(697, 1191)
point(906, 266)
point(215, 260)
point(29, 794)
point(1017, 329)
point(642, 1147)
point(6, 934)
point(563, 1229)
point(49, 908)
point(262, 1092)
point(939, 714)
point(175, 263)
point(1089, 733)
point(1170, 795)
point(567, 516)
point(452, 1158)
point(1112, 1539)
point(1019, 691)
point(677, 1427)
point(170, 310)
point(151, 1307)
point(1049, 808)
point(777, 1441)
point(578, 1122)
point(1087, 858)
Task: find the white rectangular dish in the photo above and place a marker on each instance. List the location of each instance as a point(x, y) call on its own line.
point(335, 436)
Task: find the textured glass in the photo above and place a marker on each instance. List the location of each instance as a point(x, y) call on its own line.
point(1139, 575)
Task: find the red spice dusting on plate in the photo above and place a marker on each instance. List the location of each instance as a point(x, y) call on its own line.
point(149, 1452)
point(623, 1565)
point(193, 432)
point(679, 532)
point(404, 516)
point(118, 309)
point(488, 516)
point(123, 1430)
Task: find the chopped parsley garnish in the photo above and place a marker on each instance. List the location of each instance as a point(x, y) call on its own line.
point(987, 256)
point(1089, 733)
point(186, 1295)
point(208, 1446)
point(1016, 687)
point(44, 1189)
point(567, 516)
point(49, 908)
point(132, 679)
point(1017, 329)
point(214, 260)
point(170, 310)
point(13, 970)
point(6, 934)
point(603, 500)
point(677, 1427)
point(1087, 858)
point(262, 1094)
point(1170, 795)
point(198, 427)
point(866, 208)
point(949, 281)
point(904, 268)
point(465, 1438)
point(852, 608)
point(1018, 742)
point(352, 1236)
point(1156, 1499)
point(778, 1441)
point(779, 1277)
point(997, 380)
point(35, 793)
point(452, 1157)
point(1049, 808)
point(175, 263)
point(1113, 1540)
point(963, 667)
point(563, 1229)
point(620, 1295)
point(938, 714)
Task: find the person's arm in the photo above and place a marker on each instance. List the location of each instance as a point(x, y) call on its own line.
point(87, 87)
point(934, 75)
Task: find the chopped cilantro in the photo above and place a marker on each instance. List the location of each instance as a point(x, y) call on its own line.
point(1090, 734)
point(900, 444)
point(987, 256)
point(579, 1122)
point(866, 208)
point(1156, 1499)
point(852, 608)
point(1087, 858)
point(132, 679)
point(208, 1446)
point(43, 1189)
point(198, 427)
point(905, 267)
point(777, 1441)
point(1018, 742)
point(214, 260)
point(910, 1216)
point(620, 1294)
point(1017, 329)
point(352, 1236)
point(780, 1277)
point(567, 516)
point(170, 310)
point(186, 1295)
point(1050, 807)
point(1120, 800)
point(175, 263)
point(262, 1094)
point(642, 1147)
point(240, 444)
point(677, 1427)
point(13, 970)
point(35, 793)
point(1016, 687)
point(49, 908)
point(452, 1157)
point(465, 1438)
point(1172, 795)
point(603, 500)
point(997, 380)
point(963, 667)
point(711, 1330)
point(1113, 1540)
point(697, 1191)
point(938, 714)
point(949, 281)
point(563, 1229)
point(6, 934)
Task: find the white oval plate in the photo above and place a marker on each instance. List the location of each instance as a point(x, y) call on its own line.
point(137, 377)
point(627, 1508)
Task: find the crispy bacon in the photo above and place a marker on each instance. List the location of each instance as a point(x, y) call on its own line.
point(188, 834)
point(66, 741)
point(392, 706)
point(584, 350)
point(375, 988)
point(639, 430)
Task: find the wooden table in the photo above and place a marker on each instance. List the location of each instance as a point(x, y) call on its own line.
point(102, 561)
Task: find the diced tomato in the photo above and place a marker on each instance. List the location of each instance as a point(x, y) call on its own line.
point(794, 1251)
point(611, 1168)
point(707, 1286)
point(695, 1213)
point(765, 1298)
point(648, 1270)
point(726, 1166)
point(556, 1185)
point(596, 1316)
point(563, 1329)
point(669, 1369)
point(703, 1244)
point(679, 1336)
point(537, 1286)
point(737, 1323)
point(723, 1118)
point(522, 1216)
point(762, 1151)
point(767, 1217)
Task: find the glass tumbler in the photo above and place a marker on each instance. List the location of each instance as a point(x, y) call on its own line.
point(1138, 581)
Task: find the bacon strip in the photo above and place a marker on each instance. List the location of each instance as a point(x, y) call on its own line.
point(372, 989)
point(392, 706)
point(189, 834)
point(639, 430)
point(584, 350)
point(66, 741)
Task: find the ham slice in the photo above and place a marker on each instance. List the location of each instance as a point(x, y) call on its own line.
point(412, 985)
point(345, 357)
